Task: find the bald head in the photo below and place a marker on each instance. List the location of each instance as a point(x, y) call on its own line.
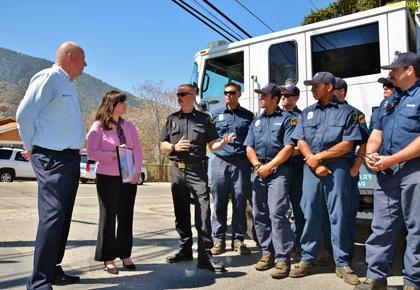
point(71, 58)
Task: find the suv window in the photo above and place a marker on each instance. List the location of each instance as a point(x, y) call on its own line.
point(5, 153)
point(19, 157)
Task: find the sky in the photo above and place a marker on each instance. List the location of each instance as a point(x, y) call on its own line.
point(129, 42)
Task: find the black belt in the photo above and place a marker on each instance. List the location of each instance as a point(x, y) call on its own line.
point(231, 158)
point(68, 150)
point(189, 164)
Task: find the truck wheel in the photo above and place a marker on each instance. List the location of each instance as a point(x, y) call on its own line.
point(7, 175)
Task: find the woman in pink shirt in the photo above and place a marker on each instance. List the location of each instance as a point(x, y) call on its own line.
point(116, 199)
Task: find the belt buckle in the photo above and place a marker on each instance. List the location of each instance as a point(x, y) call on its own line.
point(180, 165)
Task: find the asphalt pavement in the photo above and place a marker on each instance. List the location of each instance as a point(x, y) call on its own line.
point(154, 239)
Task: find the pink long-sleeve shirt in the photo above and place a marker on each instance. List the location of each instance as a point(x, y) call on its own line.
point(102, 144)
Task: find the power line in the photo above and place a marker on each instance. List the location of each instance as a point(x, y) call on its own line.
point(184, 6)
point(312, 3)
point(215, 17)
point(227, 18)
point(250, 12)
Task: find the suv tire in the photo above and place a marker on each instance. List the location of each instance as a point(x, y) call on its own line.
point(7, 175)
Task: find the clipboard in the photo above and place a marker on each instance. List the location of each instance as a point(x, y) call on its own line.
point(125, 164)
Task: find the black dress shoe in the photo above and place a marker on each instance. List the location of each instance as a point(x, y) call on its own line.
point(208, 262)
point(130, 267)
point(180, 256)
point(62, 278)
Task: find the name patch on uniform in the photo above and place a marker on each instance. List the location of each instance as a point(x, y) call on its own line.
point(200, 125)
point(310, 115)
point(293, 121)
point(411, 105)
point(362, 119)
point(65, 95)
point(221, 117)
point(277, 124)
point(257, 123)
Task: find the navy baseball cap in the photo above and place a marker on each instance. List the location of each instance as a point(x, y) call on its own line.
point(340, 84)
point(270, 88)
point(404, 59)
point(290, 89)
point(386, 82)
point(322, 77)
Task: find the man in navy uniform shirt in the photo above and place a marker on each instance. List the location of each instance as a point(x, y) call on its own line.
point(393, 151)
point(230, 172)
point(325, 132)
point(269, 146)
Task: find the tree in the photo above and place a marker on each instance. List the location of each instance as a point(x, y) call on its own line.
point(345, 7)
point(157, 102)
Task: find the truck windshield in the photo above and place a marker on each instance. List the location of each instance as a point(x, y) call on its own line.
point(219, 71)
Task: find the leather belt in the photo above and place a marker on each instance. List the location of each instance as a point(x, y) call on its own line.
point(183, 164)
point(68, 150)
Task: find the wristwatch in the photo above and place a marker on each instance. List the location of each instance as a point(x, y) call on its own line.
point(172, 147)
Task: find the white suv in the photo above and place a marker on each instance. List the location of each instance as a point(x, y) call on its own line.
point(14, 166)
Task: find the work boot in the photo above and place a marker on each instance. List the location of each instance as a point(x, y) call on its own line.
point(408, 287)
point(266, 262)
point(240, 248)
point(218, 248)
point(347, 274)
point(281, 270)
point(302, 269)
point(370, 284)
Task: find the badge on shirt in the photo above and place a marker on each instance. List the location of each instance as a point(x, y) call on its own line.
point(221, 117)
point(362, 119)
point(174, 125)
point(293, 121)
point(257, 123)
point(310, 115)
point(355, 117)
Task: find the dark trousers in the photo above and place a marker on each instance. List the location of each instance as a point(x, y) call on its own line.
point(396, 205)
point(230, 179)
point(58, 175)
point(192, 180)
point(116, 205)
point(295, 195)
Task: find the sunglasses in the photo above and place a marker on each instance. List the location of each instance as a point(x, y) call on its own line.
point(182, 94)
point(232, 93)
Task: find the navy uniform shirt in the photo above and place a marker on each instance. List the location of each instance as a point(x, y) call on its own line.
point(399, 120)
point(268, 134)
point(196, 126)
point(232, 121)
point(324, 126)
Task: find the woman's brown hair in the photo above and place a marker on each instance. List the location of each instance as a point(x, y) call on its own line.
point(104, 113)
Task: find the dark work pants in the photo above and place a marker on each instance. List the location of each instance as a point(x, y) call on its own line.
point(270, 205)
point(396, 204)
point(192, 180)
point(230, 179)
point(58, 176)
point(295, 195)
point(116, 205)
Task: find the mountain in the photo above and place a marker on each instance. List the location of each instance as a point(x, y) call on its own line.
point(17, 69)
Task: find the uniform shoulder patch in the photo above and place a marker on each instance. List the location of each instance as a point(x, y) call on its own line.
point(362, 119)
point(294, 121)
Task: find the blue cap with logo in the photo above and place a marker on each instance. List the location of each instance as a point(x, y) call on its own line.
point(403, 60)
point(340, 83)
point(270, 88)
point(322, 77)
point(290, 89)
